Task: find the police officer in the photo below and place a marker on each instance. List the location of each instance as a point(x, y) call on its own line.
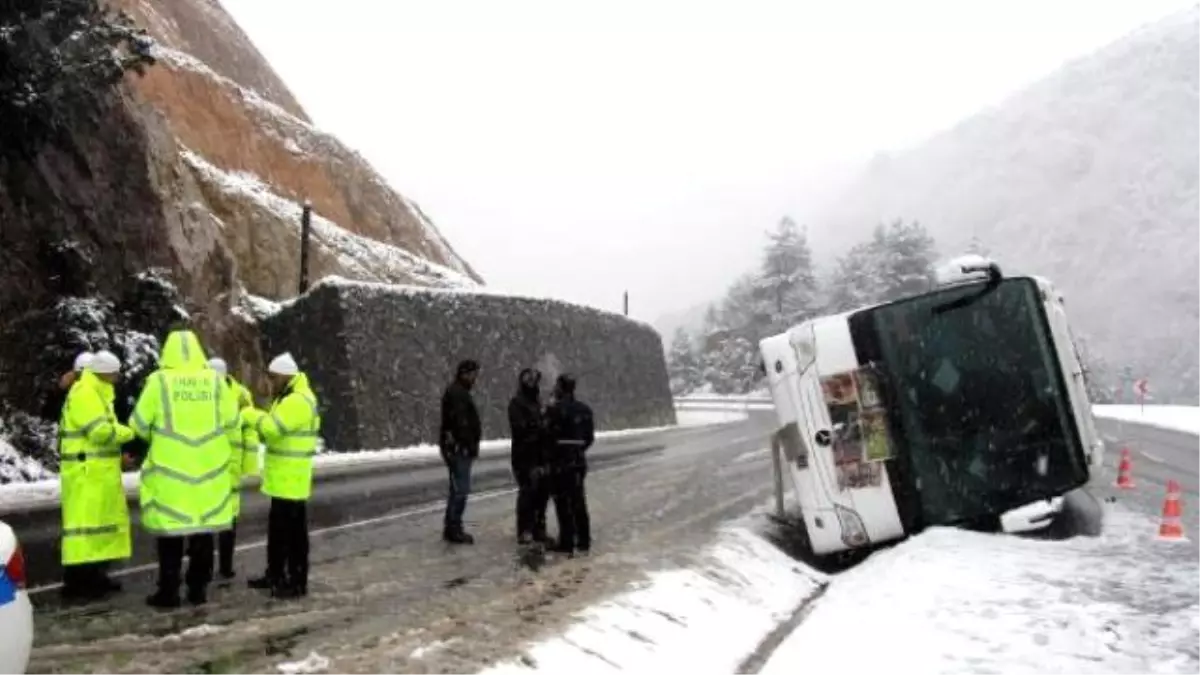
point(243, 460)
point(572, 430)
point(290, 431)
point(95, 517)
point(527, 424)
point(188, 418)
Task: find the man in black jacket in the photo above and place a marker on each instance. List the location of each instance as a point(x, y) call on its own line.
point(573, 432)
point(459, 443)
point(529, 439)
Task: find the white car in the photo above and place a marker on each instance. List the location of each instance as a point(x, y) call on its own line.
point(16, 614)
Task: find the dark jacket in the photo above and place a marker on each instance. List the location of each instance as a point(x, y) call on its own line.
point(528, 432)
point(460, 431)
point(572, 431)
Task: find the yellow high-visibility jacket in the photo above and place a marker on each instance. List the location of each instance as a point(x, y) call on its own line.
point(95, 517)
point(190, 420)
point(290, 431)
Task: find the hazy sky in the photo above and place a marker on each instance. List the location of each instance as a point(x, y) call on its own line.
point(578, 150)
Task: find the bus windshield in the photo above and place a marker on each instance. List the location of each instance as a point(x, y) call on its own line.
point(976, 398)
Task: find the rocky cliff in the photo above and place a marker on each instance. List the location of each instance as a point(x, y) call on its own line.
point(176, 197)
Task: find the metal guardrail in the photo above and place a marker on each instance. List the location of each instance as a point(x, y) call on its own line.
point(733, 400)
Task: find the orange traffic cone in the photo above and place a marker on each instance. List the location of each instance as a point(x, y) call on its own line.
point(1171, 528)
point(1125, 471)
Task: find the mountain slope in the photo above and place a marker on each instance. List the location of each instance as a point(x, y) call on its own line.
point(1088, 177)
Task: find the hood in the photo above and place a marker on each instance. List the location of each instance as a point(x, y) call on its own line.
point(528, 384)
point(182, 351)
point(89, 379)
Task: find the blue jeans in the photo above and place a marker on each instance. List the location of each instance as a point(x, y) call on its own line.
point(459, 468)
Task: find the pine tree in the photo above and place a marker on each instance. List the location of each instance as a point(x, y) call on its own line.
point(785, 292)
point(856, 280)
point(683, 366)
point(905, 255)
point(55, 55)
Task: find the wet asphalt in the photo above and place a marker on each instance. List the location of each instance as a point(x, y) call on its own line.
point(387, 595)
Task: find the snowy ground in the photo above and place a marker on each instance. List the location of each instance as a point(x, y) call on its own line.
point(945, 601)
point(32, 493)
point(1175, 417)
point(952, 601)
point(706, 618)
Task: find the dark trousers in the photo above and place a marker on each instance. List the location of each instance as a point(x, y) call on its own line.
point(226, 542)
point(287, 542)
point(570, 505)
point(459, 468)
point(85, 578)
point(170, 563)
point(533, 494)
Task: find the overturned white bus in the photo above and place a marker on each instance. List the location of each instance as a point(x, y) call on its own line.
point(952, 407)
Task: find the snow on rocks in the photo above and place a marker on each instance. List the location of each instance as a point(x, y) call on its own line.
point(1185, 418)
point(706, 618)
point(16, 467)
point(963, 602)
point(358, 255)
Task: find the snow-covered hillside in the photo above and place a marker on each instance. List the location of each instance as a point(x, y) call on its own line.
point(1090, 178)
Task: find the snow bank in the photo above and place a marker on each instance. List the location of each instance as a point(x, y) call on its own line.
point(359, 255)
point(707, 618)
point(1184, 418)
point(954, 601)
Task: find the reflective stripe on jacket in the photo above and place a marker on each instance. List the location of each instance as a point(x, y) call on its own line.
point(95, 515)
point(185, 412)
point(290, 431)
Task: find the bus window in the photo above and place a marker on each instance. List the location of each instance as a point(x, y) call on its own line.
point(976, 398)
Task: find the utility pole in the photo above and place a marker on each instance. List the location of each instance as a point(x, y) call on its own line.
point(626, 303)
point(305, 231)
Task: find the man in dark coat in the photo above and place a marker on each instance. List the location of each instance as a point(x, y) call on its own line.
point(529, 440)
point(458, 441)
point(573, 432)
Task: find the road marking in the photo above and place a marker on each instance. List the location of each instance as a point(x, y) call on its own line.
point(747, 456)
point(431, 507)
point(1152, 457)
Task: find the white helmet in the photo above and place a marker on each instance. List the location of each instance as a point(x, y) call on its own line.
point(83, 361)
point(105, 362)
point(283, 364)
point(218, 364)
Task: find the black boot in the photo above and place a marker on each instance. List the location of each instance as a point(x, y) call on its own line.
point(162, 600)
point(289, 591)
point(263, 583)
point(458, 537)
point(197, 596)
